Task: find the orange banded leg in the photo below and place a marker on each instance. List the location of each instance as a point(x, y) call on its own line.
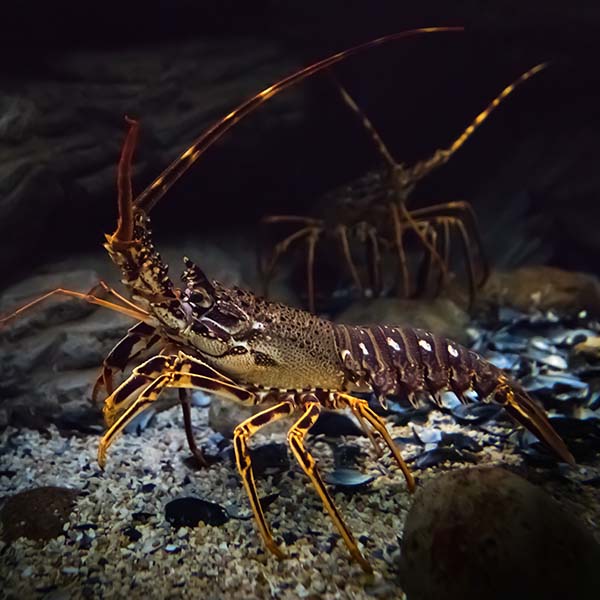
point(139, 338)
point(376, 277)
point(136, 313)
point(427, 264)
point(342, 232)
point(146, 383)
point(466, 247)
point(311, 232)
point(241, 435)
point(413, 224)
point(399, 244)
point(361, 407)
point(467, 250)
point(296, 437)
point(460, 211)
point(368, 432)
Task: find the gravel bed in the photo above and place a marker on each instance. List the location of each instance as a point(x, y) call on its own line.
point(96, 557)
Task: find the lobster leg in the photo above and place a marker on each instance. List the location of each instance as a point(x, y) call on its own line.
point(139, 338)
point(311, 241)
point(426, 266)
point(361, 407)
point(444, 249)
point(242, 457)
point(399, 244)
point(282, 247)
point(462, 211)
point(464, 238)
point(342, 232)
point(146, 383)
point(368, 432)
point(376, 278)
point(296, 437)
point(404, 213)
point(185, 400)
point(137, 313)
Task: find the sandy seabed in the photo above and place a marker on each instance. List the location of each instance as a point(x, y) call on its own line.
point(96, 558)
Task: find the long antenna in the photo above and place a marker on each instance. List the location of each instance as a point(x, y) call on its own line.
point(157, 189)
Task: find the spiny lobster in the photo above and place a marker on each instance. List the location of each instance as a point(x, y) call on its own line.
point(230, 342)
point(374, 210)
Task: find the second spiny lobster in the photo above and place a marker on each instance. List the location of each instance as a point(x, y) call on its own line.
point(373, 210)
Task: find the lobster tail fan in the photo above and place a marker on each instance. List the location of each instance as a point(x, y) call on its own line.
point(524, 410)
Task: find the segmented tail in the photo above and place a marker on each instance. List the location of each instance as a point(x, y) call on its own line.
point(403, 361)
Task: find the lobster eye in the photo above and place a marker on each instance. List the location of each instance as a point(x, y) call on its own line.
point(200, 298)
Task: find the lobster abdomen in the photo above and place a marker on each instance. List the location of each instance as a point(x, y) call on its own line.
point(402, 361)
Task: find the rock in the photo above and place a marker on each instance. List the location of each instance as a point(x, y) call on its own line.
point(37, 514)
point(51, 354)
point(335, 424)
point(440, 316)
point(269, 459)
point(487, 533)
point(60, 134)
point(542, 288)
point(188, 512)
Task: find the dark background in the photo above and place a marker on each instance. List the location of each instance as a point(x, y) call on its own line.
point(71, 71)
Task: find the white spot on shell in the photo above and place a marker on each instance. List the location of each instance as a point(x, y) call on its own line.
point(363, 349)
point(392, 343)
point(346, 354)
point(425, 345)
point(452, 350)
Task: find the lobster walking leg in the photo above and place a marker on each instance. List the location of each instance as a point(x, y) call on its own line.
point(296, 437)
point(310, 232)
point(399, 245)
point(139, 338)
point(136, 313)
point(146, 383)
point(368, 432)
point(463, 212)
point(361, 407)
point(241, 436)
point(185, 400)
point(342, 232)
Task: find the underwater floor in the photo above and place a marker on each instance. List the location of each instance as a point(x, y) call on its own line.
point(125, 536)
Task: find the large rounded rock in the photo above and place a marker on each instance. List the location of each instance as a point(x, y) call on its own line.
point(37, 514)
point(486, 533)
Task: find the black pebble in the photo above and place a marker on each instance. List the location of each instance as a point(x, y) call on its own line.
point(141, 517)
point(132, 533)
point(188, 512)
point(334, 425)
point(476, 414)
point(269, 459)
point(439, 455)
point(289, 538)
